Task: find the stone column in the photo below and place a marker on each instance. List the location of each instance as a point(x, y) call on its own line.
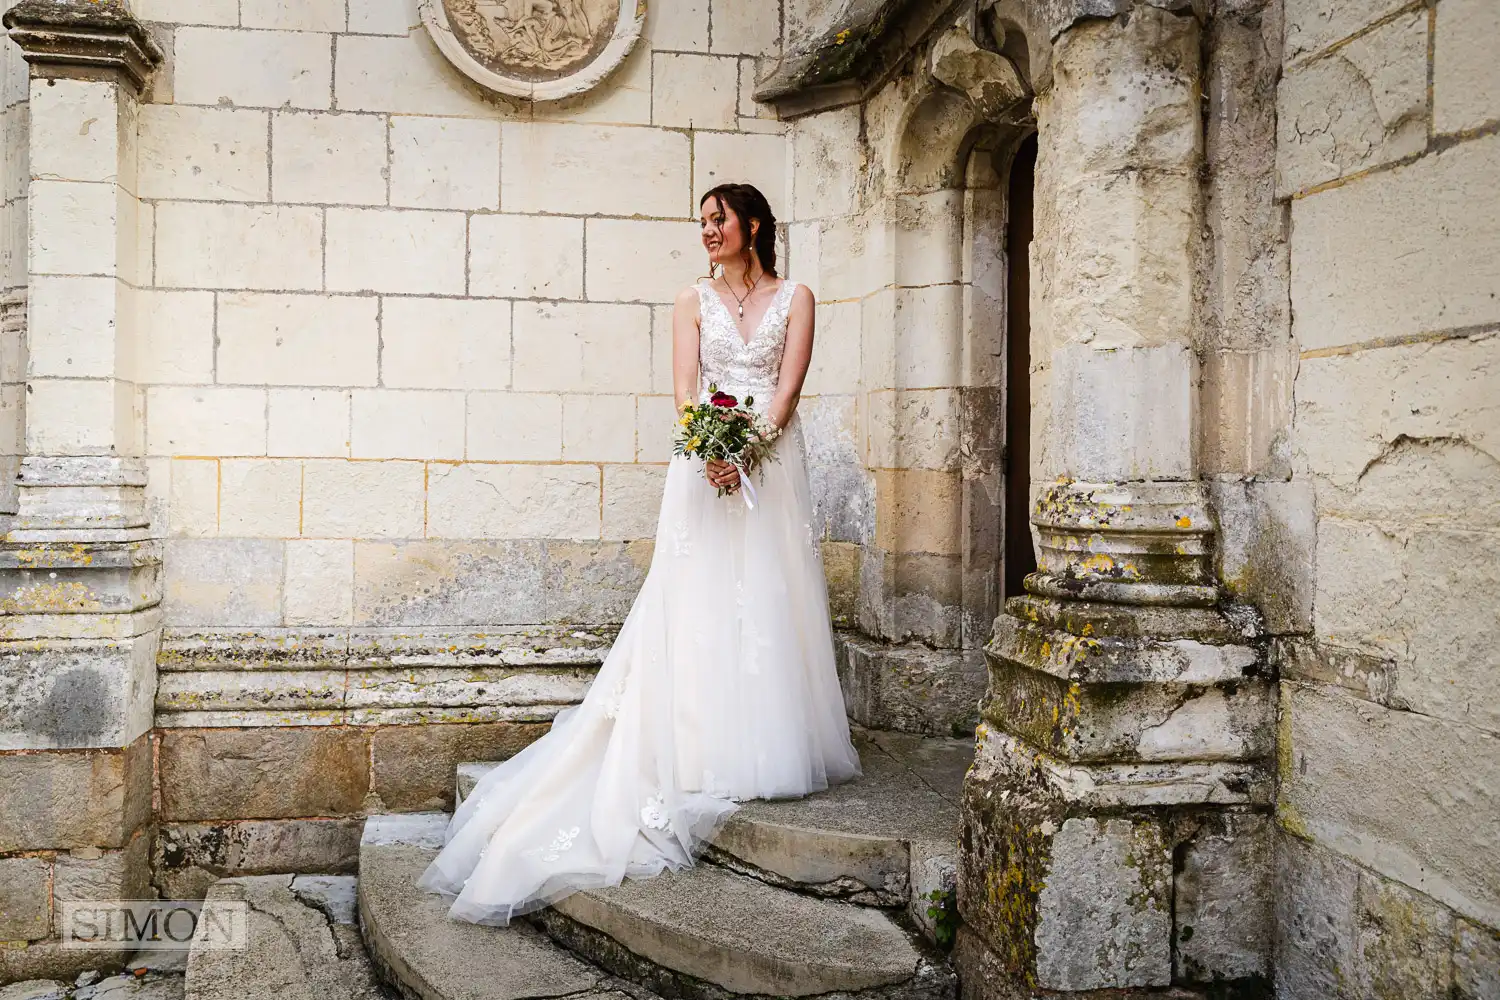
point(1115, 827)
point(79, 574)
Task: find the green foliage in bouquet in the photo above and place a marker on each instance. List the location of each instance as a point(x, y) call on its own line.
point(725, 430)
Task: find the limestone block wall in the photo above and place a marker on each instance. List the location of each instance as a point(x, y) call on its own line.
point(401, 358)
point(14, 176)
point(1387, 150)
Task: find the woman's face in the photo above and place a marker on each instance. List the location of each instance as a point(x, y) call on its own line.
point(723, 235)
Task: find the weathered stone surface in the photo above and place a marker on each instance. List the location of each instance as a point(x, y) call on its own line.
point(1131, 412)
point(147, 981)
point(1265, 548)
point(412, 766)
point(223, 581)
point(1465, 84)
point(1246, 270)
point(1404, 944)
point(1343, 932)
point(1350, 426)
point(474, 694)
point(1315, 921)
point(1143, 722)
point(454, 582)
point(80, 798)
point(593, 583)
point(1420, 615)
point(1122, 659)
point(1476, 962)
point(373, 677)
point(192, 856)
point(1373, 784)
point(1364, 105)
point(1104, 913)
point(1303, 659)
point(335, 895)
point(80, 875)
point(1127, 198)
point(1004, 854)
point(1135, 543)
point(740, 936)
point(25, 899)
point(76, 693)
point(1222, 914)
point(910, 688)
point(1357, 249)
point(1313, 25)
point(860, 840)
point(294, 950)
point(417, 946)
point(263, 773)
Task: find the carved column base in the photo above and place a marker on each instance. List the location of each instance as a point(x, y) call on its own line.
point(1116, 821)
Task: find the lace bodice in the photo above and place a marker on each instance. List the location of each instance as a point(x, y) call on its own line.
point(727, 360)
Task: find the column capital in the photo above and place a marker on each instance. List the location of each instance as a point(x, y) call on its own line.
point(84, 40)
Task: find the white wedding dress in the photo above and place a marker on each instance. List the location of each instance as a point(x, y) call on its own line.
point(721, 686)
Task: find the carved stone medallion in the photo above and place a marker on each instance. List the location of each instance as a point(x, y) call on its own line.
point(538, 49)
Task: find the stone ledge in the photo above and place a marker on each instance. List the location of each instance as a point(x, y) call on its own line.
point(1129, 786)
point(1114, 660)
point(910, 689)
point(382, 648)
point(190, 857)
point(1153, 722)
point(84, 39)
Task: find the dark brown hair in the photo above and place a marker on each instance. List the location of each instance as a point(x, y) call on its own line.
point(747, 203)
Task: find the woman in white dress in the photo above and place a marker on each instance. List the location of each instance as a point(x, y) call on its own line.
point(721, 686)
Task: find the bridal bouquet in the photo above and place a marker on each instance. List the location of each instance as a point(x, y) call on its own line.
point(724, 430)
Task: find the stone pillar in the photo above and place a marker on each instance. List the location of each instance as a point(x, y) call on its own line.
point(1115, 822)
point(79, 575)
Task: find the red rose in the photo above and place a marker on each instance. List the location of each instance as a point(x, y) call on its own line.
point(723, 399)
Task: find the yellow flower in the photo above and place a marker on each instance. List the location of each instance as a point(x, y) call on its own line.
point(685, 421)
point(695, 442)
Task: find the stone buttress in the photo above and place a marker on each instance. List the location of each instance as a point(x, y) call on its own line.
point(79, 573)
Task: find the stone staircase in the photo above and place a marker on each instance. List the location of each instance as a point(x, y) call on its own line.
point(810, 897)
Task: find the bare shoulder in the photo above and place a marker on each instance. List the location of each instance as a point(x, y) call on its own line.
point(687, 301)
point(802, 297)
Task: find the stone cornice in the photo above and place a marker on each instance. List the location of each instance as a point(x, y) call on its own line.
point(83, 39)
point(844, 61)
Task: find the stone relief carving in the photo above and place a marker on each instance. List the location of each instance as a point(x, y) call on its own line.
point(537, 49)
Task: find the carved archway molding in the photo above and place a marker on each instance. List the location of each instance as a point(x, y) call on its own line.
point(539, 50)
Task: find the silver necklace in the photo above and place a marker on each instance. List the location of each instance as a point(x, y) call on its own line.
point(739, 301)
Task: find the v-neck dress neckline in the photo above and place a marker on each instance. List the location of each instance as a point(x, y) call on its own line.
point(760, 324)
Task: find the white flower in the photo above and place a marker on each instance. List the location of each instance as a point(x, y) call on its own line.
point(562, 842)
point(616, 696)
point(654, 814)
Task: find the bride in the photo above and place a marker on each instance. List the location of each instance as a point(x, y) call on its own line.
point(721, 686)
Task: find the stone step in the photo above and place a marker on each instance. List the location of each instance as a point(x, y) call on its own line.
point(427, 955)
point(886, 839)
point(302, 943)
point(708, 933)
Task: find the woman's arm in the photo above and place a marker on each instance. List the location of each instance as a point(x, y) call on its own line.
point(795, 358)
point(685, 346)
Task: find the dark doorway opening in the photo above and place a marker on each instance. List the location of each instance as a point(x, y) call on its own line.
point(1020, 558)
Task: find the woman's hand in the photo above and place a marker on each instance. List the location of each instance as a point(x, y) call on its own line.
point(724, 475)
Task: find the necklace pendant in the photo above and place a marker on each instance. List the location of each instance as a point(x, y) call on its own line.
point(742, 312)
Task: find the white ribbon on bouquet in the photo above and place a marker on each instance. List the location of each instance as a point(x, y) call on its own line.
point(747, 488)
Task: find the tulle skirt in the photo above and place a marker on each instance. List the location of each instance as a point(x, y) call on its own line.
point(721, 687)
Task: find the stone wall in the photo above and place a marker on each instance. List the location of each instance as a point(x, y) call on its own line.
point(1387, 152)
point(15, 175)
point(389, 360)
